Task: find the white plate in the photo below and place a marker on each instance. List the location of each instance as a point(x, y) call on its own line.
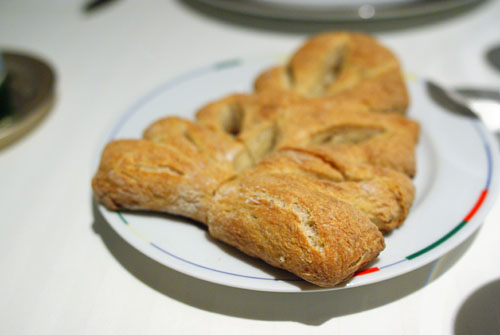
point(338, 10)
point(456, 185)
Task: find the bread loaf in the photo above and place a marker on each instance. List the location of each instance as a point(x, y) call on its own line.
point(306, 173)
point(341, 66)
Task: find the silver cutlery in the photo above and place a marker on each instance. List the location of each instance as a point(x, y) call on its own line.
point(493, 57)
point(469, 102)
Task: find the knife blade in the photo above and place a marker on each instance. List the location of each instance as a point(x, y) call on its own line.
point(483, 104)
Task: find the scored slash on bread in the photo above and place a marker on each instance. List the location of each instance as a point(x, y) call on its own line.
point(268, 121)
point(176, 171)
point(294, 220)
point(305, 176)
point(337, 67)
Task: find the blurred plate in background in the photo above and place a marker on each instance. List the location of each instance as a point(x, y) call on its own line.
point(338, 10)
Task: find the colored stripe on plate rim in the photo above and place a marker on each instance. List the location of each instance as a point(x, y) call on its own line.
point(236, 62)
point(482, 196)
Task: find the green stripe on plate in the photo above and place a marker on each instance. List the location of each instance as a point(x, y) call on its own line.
point(227, 63)
point(438, 242)
point(121, 217)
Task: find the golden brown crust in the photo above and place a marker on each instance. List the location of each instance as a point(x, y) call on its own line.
point(343, 66)
point(383, 195)
point(249, 118)
point(176, 169)
point(352, 137)
point(300, 174)
point(294, 221)
point(265, 124)
point(186, 136)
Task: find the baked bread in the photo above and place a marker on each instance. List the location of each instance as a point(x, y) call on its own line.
point(268, 121)
point(286, 211)
point(306, 176)
point(175, 169)
point(319, 216)
point(251, 119)
point(341, 67)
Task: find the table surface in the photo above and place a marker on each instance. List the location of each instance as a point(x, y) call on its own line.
point(65, 271)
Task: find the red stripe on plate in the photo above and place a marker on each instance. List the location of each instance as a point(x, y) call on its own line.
point(366, 271)
point(477, 205)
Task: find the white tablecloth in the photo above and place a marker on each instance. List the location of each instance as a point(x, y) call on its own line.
point(65, 271)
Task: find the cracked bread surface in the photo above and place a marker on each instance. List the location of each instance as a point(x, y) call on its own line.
point(175, 169)
point(295, 221)
point(306, 176)
point(386, 140)
point(340, 67)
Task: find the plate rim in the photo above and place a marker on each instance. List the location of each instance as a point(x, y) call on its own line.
point(340, 13)
point(461, 231)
